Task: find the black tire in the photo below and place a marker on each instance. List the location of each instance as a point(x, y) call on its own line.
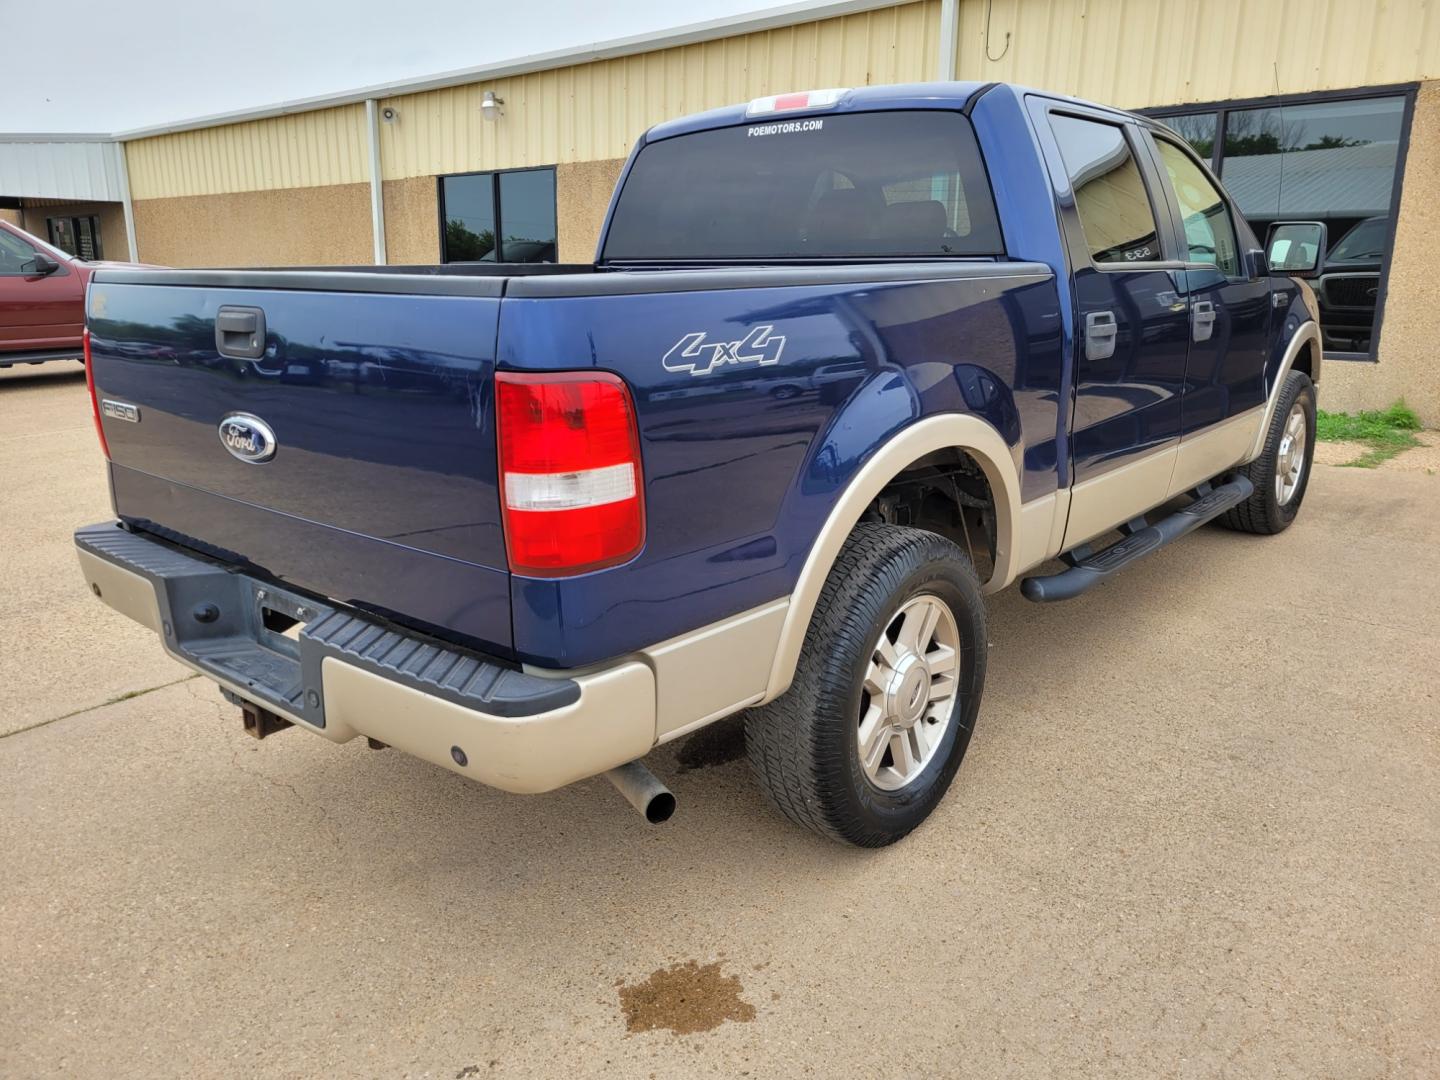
point(1263, 513)
point(803, 746)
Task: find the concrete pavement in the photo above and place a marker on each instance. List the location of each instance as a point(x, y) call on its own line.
point(1197, 835)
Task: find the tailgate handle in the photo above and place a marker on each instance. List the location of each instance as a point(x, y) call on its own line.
point(240, 332)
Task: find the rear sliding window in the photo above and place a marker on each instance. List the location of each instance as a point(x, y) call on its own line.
point(856, 185)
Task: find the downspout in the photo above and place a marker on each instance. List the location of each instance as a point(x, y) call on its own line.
point(377, 184)
point(126, 203)
point(949, 39)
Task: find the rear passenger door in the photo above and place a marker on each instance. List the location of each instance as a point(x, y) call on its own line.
point(1132, 319)
point(1229, 320)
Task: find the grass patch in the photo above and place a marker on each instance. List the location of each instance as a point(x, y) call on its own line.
point(1384, 433)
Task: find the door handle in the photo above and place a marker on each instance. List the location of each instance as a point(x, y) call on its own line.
point(240, 332)
point(1202, 319)
point(1101, 330)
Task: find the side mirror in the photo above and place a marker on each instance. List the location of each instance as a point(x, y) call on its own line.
point(42, 265)
point(1296, 247)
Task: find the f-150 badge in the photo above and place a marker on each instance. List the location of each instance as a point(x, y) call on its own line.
point(693, 354)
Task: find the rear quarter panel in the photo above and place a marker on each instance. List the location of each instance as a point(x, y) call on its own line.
point(743, 462)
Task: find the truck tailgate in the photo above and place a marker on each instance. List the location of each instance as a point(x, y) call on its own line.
point(380, 485)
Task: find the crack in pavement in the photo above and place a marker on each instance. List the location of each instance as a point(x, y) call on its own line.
point(116, 700)
point(324, 821)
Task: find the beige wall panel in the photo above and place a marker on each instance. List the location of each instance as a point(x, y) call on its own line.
point(1138, 53)
point(309, 226)
point(1409, 362)
point(412, 221)
point(12, 216)
point(582, 195)
point(310, 149)
point(595, 111)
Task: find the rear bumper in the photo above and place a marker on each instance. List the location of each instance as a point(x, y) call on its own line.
point(340, 675)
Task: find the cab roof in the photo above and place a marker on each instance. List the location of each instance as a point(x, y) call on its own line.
point(927, 95)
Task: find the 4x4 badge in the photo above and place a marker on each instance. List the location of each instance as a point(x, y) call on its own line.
point(691, 353)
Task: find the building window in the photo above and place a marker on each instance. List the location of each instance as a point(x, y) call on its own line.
point(498, 216)
point(78, 236)
point(1329, 158)
point(1197, 129)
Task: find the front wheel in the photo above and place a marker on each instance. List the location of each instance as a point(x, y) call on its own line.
point(867, 739)
point(1282, 471)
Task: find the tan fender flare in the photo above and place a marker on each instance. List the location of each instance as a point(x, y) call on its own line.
point(968, 433)
point(1307, 333)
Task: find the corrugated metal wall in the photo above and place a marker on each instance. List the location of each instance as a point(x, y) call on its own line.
point(61, 170)
point(1138, 53)
point(1133, 53)
point(310, 149)
point(595, 111)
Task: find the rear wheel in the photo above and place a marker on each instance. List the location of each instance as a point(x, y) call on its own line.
point(868, 737)
point(1282, 471)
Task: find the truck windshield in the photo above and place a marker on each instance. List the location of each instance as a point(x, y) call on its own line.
point(857, 185)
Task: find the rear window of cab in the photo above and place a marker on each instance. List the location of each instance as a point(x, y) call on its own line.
point(905, 184)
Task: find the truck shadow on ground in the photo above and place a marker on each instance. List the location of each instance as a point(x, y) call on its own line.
point(1035, 654)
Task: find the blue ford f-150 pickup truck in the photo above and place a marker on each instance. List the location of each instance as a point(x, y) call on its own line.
point(846, 361)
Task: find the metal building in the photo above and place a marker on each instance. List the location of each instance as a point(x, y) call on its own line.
point(1308, 108)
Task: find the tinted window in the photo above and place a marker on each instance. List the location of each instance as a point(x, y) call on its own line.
point(469, 211)
point(79, 236)
point(1364, 241)
point(1332, 162)
point(1209, 234)
point(860, 184)
point(1110, 196)
point(498, 217)
point(14, 253)
point(1317, 162)
point(527, 216)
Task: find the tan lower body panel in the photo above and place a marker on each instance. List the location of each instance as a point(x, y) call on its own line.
point(716, 671)
point(1099, 504)
point(1042, 529)
point(613, 722)
point(1208, 453)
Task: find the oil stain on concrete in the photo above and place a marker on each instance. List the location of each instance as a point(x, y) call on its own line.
point(684, 998)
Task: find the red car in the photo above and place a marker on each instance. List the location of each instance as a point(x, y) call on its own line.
point(42, 299)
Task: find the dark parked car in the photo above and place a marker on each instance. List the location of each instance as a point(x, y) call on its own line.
point(1349, 286)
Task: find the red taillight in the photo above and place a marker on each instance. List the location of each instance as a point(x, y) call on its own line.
point(94, 399)
point(571, 487)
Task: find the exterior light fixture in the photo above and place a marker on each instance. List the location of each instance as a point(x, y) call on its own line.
point(491, 107)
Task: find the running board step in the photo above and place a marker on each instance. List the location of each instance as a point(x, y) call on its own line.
point(1089, 571)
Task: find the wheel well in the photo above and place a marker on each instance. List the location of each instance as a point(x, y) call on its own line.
point(1305, 361)
point(945, 492)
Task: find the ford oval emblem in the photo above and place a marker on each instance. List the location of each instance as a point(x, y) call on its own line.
point(248, 438)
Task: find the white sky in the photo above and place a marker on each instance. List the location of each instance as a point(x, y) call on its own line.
point(109, 65)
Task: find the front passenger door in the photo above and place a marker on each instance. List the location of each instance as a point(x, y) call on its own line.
point(1230, 322)
point(37, 311)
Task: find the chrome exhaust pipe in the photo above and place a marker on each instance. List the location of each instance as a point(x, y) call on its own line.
point(643, 791)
